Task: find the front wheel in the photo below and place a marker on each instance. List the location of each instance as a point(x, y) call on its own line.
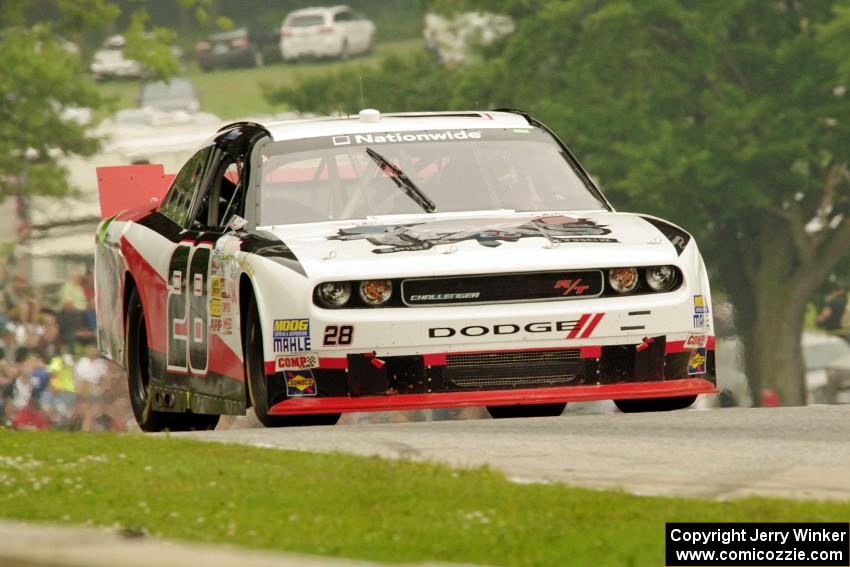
point(655, 404)
point(138, 380)
point(255, 376)
point(533, 410)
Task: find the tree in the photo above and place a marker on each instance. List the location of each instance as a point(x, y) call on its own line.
point(42, 79)
point(726, 116)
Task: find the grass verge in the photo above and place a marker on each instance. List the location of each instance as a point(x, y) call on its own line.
point(343, 505)
point(236, 93)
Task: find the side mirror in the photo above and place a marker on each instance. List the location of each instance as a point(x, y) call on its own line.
point(236, 223)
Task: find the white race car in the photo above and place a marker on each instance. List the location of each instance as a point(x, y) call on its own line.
point(391, 262)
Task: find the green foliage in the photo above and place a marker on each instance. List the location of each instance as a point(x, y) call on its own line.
point(151, 49)
point(399, 83)
point(42, 80)
point(342, 505)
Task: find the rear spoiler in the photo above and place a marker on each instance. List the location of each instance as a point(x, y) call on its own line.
point(131, 188)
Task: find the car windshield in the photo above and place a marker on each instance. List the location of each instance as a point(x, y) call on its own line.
point(335, 178)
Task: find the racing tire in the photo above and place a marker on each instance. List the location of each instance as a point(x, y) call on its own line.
point(255, 377)
point(138, 380)
point(655, 404)
point(532, 410)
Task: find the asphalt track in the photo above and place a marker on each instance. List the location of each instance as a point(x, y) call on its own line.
point(724, 453)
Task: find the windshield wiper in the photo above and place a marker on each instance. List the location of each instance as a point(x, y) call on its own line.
point(403, 182)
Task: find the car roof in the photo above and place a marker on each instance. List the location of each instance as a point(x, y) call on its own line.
point(396, 122)
point(318, 10)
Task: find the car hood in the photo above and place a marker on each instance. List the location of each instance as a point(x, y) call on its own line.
point(445, 244)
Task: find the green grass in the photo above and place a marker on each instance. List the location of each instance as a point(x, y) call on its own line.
point(343, 505)
point(236, 93)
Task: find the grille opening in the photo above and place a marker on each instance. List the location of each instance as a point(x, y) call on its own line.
point(523, 358)
point(514, 369)
point(514, 381)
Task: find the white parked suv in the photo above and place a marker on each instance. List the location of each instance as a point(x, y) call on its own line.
point(337, 31)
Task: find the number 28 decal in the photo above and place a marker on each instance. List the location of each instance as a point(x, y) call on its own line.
point(338, 335)
point(187, 316)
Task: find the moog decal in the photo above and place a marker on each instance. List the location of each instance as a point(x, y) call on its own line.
point(291, 335)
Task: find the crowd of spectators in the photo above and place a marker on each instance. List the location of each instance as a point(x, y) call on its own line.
point(51, 375)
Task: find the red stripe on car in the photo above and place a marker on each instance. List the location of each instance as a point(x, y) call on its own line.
point(582, 320)
point(592, 326)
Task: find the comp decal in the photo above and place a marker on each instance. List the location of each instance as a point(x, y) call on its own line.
point(300, 383)
point(696, 341)
point(424, 236)
point(700, 312)
point(696, 362)
point(300, 361)
point(291, 335)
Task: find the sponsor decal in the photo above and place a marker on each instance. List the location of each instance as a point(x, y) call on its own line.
point(571, 287)
point(696, 362)
point(696, 341)
point(215, 286)
point(300, 383)
point(291, 335)
point(215, 307)
point(399, 137)
point(582, 328)
point(301, 361)
point(424, 236)
point(700, 312)
point(338, 335)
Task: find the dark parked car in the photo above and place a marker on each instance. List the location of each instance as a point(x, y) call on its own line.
point(177, 94)
point(244, 47)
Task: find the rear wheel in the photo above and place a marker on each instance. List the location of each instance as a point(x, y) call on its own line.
point(655, 404)
point(138, 380)
point(533, 410)
point(255, 376)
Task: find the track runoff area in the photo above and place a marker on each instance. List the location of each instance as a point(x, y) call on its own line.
point(761, 544)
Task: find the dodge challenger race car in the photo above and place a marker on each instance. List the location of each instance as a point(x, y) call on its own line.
point(391, 262)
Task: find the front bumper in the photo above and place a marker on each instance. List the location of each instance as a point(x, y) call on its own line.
point(653, 368)
point(409, 402)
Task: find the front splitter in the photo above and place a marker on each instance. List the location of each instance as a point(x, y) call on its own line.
point(528, 396)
